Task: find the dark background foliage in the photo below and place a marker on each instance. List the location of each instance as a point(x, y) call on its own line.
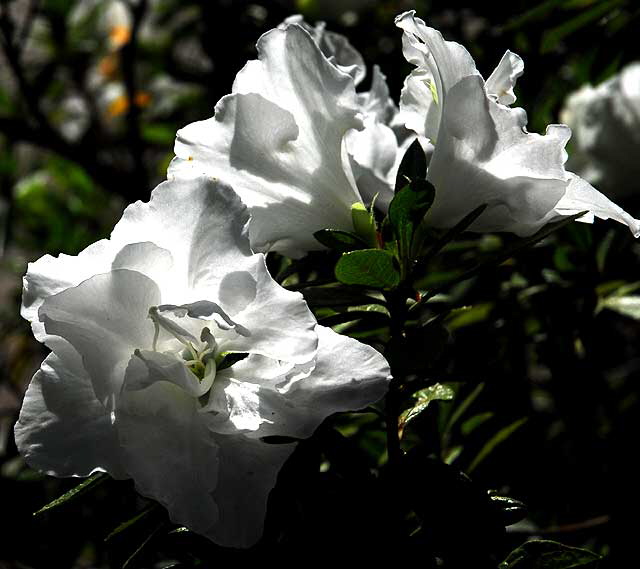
point(532, 350)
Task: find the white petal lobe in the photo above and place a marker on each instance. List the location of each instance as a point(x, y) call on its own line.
point(278, 140)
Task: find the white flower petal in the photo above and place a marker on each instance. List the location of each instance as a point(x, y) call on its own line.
point(248, 471)
point(377, 102)
point(170, 453)
point(418, 109)
point(145, 258)
point(581, 196)
point(501, 82)
point(50, 275)
point(443, 62)
point(273, 321)
point(347, 376)
point(335, 47)
point(104, 319)
point(148, 367)
point(483, 155)
point(280, 323)
point(63, 430)
point(234, 406)
point(374, 154)
point(278, 140)
point(197, 225)
point(605, 121)
point(217, 485)
point(202, 223)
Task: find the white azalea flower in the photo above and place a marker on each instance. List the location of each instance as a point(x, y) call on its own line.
point(335, 47)
point(375, 151)
point(137, 385)
point(482, 151)
point(606, 132)
point(278, 139)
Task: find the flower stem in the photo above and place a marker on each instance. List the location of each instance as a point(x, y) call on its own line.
point(397, 305)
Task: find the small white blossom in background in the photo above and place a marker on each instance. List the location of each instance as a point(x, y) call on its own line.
point(140, 383)
point(482, 150)
point(605, 121)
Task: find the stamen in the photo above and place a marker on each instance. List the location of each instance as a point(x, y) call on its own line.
point(179, 333)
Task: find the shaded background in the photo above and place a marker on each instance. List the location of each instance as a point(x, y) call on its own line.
point(90, 100)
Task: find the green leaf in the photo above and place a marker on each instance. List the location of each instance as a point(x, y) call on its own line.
point(497, 439)
point(371, 316)
point(423, 397)
point(412, 166)
point(455, 231)
point(603, 249)
point(474, 422)
point(544, 554)
point(368, 267)
point(229, 358)
point(501, 256)
point(539, 12)
point(468, 315)
point(625, 305)
point(142, 545)
point(364, 224)
point(130, 522)
point(158, 133)
point(462, 408)
point(82, 488)
point(331, 296)
point(338, 240)
point(406, 211)
point(554, 36)
point(511, 510)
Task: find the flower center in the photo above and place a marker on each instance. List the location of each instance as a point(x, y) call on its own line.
point(197, 354)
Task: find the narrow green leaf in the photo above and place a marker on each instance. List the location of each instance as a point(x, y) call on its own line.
point(323, 296)
point(625, 305)
point(130, 522)
point(474, 422)
point(511, 510)
point(412, 166)
point(544, 554)
point(406, 211)
point(497, 439)
point(341, 241)
point(142, 545)
point(379, 318)
point(537, 13)
point(455, 231)
point(501, 256)
point(462, 408)
point(85, 486)
point(368, 267)
point(603, 249)
point(423, 397)
point(554, 36)
point(468, 315)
